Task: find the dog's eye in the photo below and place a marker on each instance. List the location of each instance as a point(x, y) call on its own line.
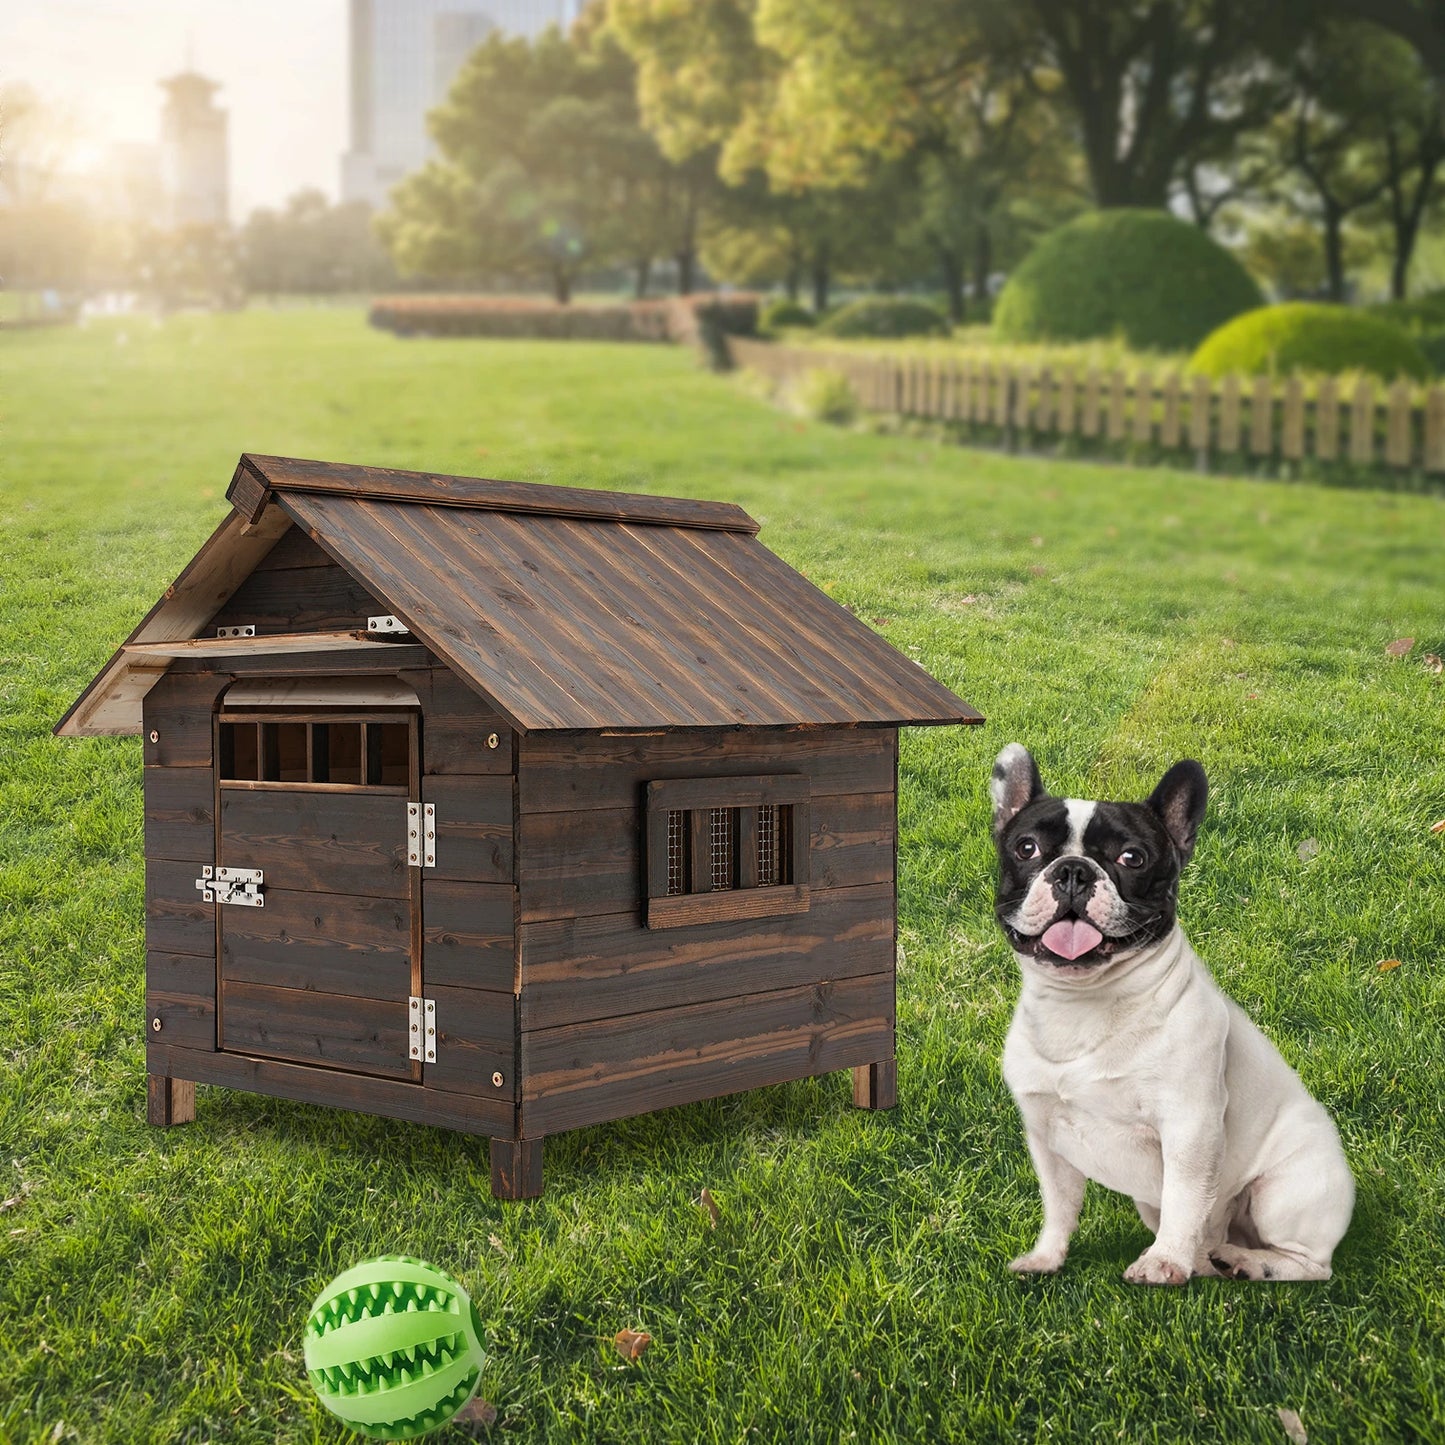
point(1026, 848)
point(1132, 858)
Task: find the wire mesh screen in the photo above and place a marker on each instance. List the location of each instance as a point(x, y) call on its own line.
point(722, 831)
point(676, 851)
point(767, 845)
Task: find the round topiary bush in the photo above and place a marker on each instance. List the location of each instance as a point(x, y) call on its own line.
point(1417, 316)
point(1156, 281)
point(888, 316)
point(778, 314)
point(1310, 336)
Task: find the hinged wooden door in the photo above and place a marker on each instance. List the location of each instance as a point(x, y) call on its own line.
point(321, 972)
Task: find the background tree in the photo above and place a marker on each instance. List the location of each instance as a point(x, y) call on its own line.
point(312, 247)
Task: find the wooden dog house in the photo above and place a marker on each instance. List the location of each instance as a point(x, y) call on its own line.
point(508, 808)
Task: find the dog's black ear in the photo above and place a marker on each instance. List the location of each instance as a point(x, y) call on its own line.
point(1179, 801)
point(1015, 784)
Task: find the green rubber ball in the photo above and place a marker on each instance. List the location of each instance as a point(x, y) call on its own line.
point(393, 1347)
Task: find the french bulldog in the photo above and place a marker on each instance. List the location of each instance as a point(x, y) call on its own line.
point(1127, 1062)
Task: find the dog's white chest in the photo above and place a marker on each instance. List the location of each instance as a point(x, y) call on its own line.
point(1105, 1135)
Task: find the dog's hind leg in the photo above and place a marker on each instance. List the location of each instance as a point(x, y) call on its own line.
point(1295, 1215)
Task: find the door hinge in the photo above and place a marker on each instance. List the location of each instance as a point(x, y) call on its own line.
point(423, 1029)
point(388, 624)
point(421, 835)
point(247, 631)
point(232, 885)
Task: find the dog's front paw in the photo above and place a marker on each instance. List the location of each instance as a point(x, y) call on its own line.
point(1038, 1261)
point(1151, 1268)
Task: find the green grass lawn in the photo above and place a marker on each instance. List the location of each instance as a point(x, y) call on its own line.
point(153, 1284)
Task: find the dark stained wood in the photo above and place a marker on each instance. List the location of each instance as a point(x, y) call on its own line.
point(387, 660)
point(616, 627)
point(177, 919)
point(334, 943)
point(684, 910)
point(169, 1101)
point(476, 1041)
point(699, 852)
point(458, 727)
point(327, 842)
point(295, 474)
point(467, 934)
point(263, 645)
point(248, 492)
point(295, 549)
point(576, 969)
point(181, 995)
point(565, 772)
point(299, 599)
point(473, 827)
point(179, 709)
point(875, 1086)
point(746, 791)
point(306, 1026)
point(180, 814)
point(591, 861)
point(586, 1073)
point(335, 1088)
point(516, 1168)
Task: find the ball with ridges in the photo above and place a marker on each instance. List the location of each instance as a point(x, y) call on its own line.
point(393, 1347)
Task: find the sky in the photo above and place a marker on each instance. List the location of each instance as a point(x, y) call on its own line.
point(281, 65)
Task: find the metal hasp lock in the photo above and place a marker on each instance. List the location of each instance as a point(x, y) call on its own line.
point(423, 1029)
point(421, 835)
point(232, 885)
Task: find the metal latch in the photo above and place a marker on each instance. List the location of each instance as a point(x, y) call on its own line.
point(421, 835)
point(232, 885)
point(247, 631)
point(387, 623)
point(423, 1029)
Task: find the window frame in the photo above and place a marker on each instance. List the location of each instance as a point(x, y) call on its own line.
point(696, 797)
point(366, 717)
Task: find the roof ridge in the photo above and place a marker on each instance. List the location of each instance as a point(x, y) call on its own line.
point(257, 477)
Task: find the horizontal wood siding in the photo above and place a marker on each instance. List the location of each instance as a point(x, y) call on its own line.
point(582, 1074)
point(318, 1028)
point(180, 821)
point(181, 994)
point(575, 969)
point(476, 1040)
point(462, 733)
point(467, 934)
point(335, 1088)
point(178, 920)
point(321, 597)
point(473, 828)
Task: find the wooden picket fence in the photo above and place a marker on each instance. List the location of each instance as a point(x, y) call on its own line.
point(1221, 424)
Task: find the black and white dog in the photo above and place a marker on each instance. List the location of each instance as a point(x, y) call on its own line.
point(1129, 1065)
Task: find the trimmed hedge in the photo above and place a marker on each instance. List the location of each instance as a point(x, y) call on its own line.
point(781, 313)
point(1310, 336)
point(1147, 276)
point(886, 316)
point(1417, 316)
point(688, 319)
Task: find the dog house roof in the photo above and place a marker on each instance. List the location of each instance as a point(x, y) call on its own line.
point(564, 608)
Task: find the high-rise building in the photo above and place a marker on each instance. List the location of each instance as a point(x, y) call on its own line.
point(194, 165)
point(404, 56)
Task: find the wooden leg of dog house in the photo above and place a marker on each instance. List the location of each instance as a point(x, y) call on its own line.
point(875, 1086)
point(169, 1101)
point(516, 1168)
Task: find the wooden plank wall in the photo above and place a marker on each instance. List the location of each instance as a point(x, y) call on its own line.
point(1224, 424)
point(297, 588)
point(616, 1019)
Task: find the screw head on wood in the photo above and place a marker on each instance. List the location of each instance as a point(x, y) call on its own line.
point(155, 1025)
point(155, 736)
point(492, 740)
point(497, 1079)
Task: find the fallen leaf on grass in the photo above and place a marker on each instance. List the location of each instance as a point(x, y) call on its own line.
point(1433, 662)
point(710, 1204)
point(1400, 646)
point(476, 1412)
point(1308, 849)
point(631, 1344)
point(1438, 827)
point(1293, 1426)
point(11, 1202)
point(1386, 964)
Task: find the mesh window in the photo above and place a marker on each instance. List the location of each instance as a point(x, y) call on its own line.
point(676, 852)
point(722, 830)
point(767, 845)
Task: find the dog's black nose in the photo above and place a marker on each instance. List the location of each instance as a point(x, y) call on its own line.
point(1074, 879)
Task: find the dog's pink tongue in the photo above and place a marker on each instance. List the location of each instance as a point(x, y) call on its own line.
point(1070, 937)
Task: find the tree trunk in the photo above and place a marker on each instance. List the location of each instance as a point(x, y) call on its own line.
point(1335, 251)
point(643, 269)
point(821, 278)
point(952, 268)
point(561, 286)
point(793, 281)
point(686, 264)
point(982, 267)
